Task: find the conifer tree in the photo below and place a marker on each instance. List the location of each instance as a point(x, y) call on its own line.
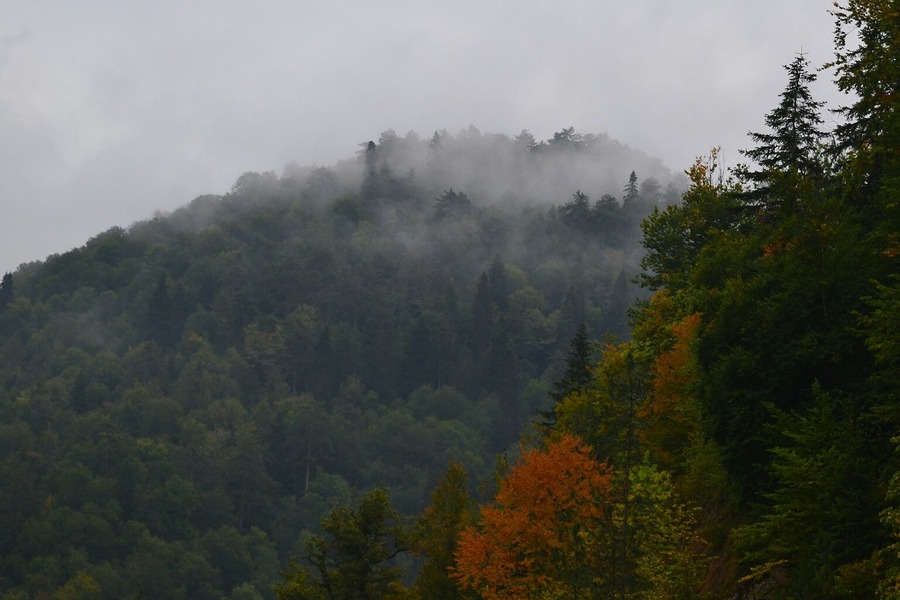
point(577, 376)
point(793, 143)
point(631, 190)
point(370, 186)
point(6, 290)
point(870, 71)
point(792, 146)
point(578, 366)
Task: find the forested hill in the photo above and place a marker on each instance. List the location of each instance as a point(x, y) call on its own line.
point(181, 399)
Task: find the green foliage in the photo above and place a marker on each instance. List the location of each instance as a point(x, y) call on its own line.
point(578, 366)
point(881, 323)
point(889, 584)
point(606, 412)
point(576, 377)
point(452, 204)
point(676, 236)
point(794, 145)
point(795, 362)
point(822, 508)
point(175, 390)
point(188, 402)
point(436, 535)
point(297, 585)
point(668, 553)
point(354, 557)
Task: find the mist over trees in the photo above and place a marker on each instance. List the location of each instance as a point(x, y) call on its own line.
point(493, 168)
point(426, 372)
point(187, 400)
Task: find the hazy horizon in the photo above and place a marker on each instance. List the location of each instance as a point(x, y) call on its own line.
point(110, 112)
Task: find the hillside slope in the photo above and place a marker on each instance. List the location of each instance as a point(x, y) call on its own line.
point(183, 398)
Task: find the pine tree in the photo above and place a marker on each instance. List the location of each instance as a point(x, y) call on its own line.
point(634, 209)
point(577, 213)
point(369, 189)
point(793, 145)
point(577, 376)
point(868, 68)
point(578, 366)
point(452, 204)
point(632, 194)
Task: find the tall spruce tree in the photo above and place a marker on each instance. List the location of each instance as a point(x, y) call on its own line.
point(578, 366)
point(576, 377)
point(792, 147)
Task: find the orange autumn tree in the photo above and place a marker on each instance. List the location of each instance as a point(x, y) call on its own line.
point(547, 536)
point(671, 416)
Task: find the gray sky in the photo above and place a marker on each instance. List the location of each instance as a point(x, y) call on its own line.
point(111, 110)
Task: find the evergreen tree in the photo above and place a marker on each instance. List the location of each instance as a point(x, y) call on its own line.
point(574, 305)
point(615, 319)
point(823, 513)
point(6, 290)
point(576, 377)
point(452, 204)
point(577, 213)
point(792, 148)
point(607, 216)
point(578, 366)
point(370, 185)
point(632, 194)
point(634, 210)
point(870, 71)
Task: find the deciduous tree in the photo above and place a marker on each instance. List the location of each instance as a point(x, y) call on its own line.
point(547, 535)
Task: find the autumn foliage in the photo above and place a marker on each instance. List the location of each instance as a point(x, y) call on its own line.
point(671, 414)
point(544, 536)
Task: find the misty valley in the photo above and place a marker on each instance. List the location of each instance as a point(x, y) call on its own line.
point(476, 365)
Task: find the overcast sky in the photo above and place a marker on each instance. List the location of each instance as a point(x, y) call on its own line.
point(112, 110)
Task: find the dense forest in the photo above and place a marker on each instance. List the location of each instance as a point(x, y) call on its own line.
point(183, 401)
point(481, 366)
